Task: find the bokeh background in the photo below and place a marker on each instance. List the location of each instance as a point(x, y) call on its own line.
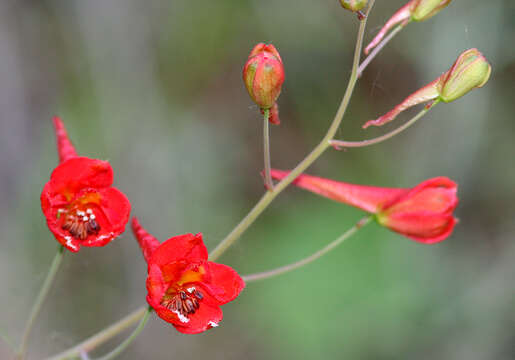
point(155, 87)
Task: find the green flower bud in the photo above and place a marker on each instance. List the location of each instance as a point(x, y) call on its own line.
point(424, 9)
point(470, 71)
point(353, 5)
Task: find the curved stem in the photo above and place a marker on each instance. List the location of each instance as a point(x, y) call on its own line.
point(378, 48)
point(311, 258)
point(347, 144)
point(93, 342)
point(266, 150)
point(118, 350)
point(308, 160)
point(39, 301)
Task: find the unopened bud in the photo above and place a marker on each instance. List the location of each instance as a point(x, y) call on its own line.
point(263, 75)
point(353, 5)
point(470, 71)
point(424, 9)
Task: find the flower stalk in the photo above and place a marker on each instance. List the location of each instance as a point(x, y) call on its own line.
point(266, 150)
point(103, 336)
point(290, 267)
point(36, 308)
point(341, 144)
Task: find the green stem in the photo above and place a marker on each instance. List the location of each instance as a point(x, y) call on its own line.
point(308, 160)
point(39, 301)
point(311, 258)
point(266, 150)
point(93, 342)
point(118, 350)
point(347, 144)
point(378, 48)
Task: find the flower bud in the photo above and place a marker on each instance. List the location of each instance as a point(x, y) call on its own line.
point(353, 5)
point(263, 75)
point(414, 10)
point(424, 9)
point(470, 71)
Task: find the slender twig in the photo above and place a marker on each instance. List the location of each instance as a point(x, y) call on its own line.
point(93, 342)
point(378, 48)
point(39, 301)
point(348, 144)
point(308, 160)
point(266, 150)
point(7, 340)
point(311, 258)
point(118, 350)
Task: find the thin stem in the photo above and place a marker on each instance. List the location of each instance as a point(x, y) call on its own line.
point(363, 143)
point(311, 258)
point(93, 342)
point(8, 341)
point(378, 48)
point(266, 149)
point(39, 301)
point(118, 350)
point(267, 198)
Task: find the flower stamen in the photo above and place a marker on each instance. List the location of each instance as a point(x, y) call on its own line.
point(81, 224)
point(185, 303)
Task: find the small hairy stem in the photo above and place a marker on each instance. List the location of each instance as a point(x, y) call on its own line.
point(378, 48)
point(347, 144)
point(308, 160)
point(311, 258)
point(93, 342)
point(39, 301)
point(266, 150)
point(118, 350)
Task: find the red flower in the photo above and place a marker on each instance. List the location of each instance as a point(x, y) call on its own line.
point(423, 213)
point(80, 206)
point(183, 287)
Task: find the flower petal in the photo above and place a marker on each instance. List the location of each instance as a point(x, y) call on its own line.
point(205, 318)
point(78, 173)
point(223, 283)
point(183, 247)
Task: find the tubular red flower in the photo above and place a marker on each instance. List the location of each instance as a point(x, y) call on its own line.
point(184, 288)
point(423, 213)
point(80, 206)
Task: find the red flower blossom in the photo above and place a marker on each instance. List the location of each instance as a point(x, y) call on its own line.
point(183, 287)
point(423, 213)
point(80, 206)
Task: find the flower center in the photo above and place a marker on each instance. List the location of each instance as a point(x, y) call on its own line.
point(79, 223)
point(183, 302)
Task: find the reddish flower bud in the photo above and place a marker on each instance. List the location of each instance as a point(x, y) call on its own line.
point(469, 71)
point(414, 10)
point(423, 213)
point(80, 206)
point(353, 5)
point(263, 75)
point(184, 288)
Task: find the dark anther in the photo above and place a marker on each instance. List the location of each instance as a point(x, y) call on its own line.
point(199, 295)
point(183, 295)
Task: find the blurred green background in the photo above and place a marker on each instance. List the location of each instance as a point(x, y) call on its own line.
point(155, 87)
